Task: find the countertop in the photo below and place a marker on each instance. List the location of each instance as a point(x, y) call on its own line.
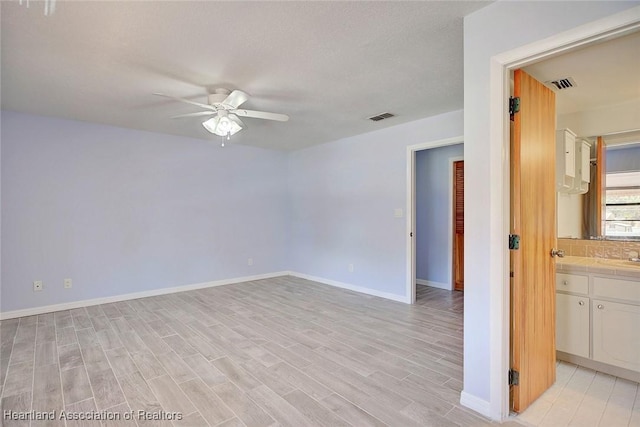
point(613, 267)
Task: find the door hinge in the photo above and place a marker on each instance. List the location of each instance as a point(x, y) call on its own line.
point(514, 106)
point(514, 377)
point(514, 242)
point(411, 234)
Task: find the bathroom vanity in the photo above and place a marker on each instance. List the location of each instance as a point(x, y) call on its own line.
point(597, 285)
point(598, 314)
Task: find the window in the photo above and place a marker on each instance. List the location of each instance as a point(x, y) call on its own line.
point(622, 215)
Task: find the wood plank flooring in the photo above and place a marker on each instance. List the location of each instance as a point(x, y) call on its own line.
point(282, 351)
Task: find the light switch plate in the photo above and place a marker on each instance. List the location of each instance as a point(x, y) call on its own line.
point(398, 213)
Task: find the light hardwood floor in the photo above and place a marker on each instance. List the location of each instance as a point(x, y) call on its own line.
point(282, 351)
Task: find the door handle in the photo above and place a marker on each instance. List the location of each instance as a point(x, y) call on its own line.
point(557, 253)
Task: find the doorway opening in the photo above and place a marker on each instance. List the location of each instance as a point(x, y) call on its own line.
point(584, 113)
point(501, 67)
point(431, 222)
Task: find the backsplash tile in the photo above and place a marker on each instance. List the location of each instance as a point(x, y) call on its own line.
point(594, 250)
point(598, 248)
point(612, 251)
point(578, 250)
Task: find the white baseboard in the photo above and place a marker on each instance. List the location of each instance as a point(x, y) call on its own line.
point(363, 290)
point(135, 295)
point(616, 371)
point(434, 284)
point(475, 403)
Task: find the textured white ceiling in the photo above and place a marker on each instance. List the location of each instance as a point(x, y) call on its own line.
point(328, 65)
point(606, 73)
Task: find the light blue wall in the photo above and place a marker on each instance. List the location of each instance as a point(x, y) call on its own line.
point(623, 159)
point(433, 229)
point(122, 211)
point(343, 196)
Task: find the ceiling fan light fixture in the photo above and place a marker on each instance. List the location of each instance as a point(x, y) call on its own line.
point(221, 126)
point(223, 107)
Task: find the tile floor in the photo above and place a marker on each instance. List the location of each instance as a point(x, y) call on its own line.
point(582, 397)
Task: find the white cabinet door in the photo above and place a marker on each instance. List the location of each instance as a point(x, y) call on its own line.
point(582, 169)
point(572, 324)
point(565, 159)
point(616, 334)
point(585, 162)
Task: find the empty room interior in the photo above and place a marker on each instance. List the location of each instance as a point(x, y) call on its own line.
point(311, 213)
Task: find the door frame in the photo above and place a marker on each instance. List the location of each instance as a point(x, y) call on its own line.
point(411, 208)
point(501, 66)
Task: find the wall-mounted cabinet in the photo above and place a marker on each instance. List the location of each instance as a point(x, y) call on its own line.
point(565, 159)
point(583, 171)
point(572, 163)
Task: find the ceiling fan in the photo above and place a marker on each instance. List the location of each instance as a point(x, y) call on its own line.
point(223, 106)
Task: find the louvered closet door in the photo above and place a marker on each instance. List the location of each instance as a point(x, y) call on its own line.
point(458, 227)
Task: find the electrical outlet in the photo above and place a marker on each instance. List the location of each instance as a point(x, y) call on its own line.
point(250, 261)
point(38, 286)
point(350, 268)
point(68, 284)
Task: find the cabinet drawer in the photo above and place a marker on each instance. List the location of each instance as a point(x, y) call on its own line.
point(616, 288)
point(572, 283)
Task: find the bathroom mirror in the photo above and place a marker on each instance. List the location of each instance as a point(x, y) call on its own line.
point(598, 95)
point(611, 208)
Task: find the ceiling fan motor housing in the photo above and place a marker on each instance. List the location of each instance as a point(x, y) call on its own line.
point(220, 95)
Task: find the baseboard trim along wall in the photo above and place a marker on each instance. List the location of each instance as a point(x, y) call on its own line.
point(163, 291)
point(135, 295)
point(355, 288)
point(472, 402)
point(434, 284)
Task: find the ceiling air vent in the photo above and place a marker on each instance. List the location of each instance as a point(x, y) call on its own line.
point(561, 84)
point(381, 116)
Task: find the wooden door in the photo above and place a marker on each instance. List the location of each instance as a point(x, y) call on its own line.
point(533, 219)
point(458, 225)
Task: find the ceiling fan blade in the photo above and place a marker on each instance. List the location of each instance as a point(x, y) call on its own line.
point(187, 101)
point(261, 115)
point(235, 98)
point(198, 114)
